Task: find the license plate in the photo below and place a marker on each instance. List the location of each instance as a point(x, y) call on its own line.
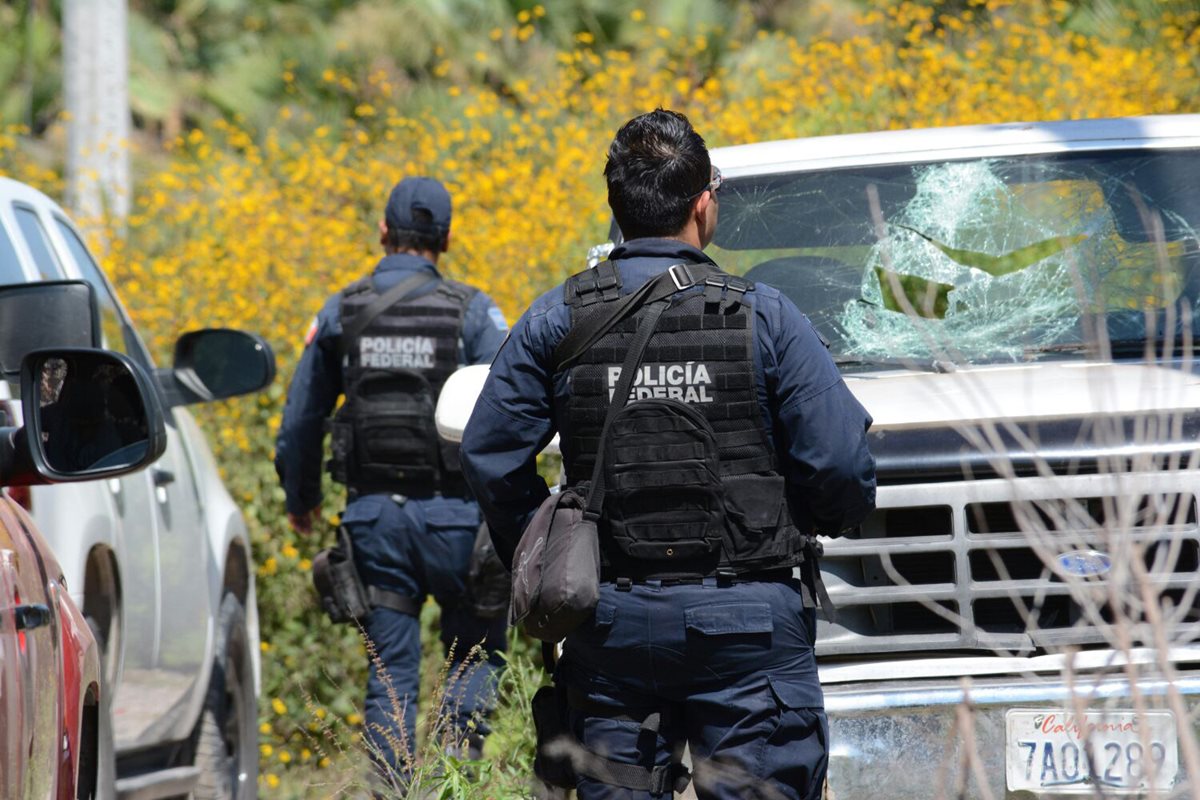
point(1121, 751)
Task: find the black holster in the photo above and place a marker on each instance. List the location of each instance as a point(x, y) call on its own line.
point(553, 762)
point(335, 577)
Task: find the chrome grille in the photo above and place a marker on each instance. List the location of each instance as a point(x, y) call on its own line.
point(967, 566)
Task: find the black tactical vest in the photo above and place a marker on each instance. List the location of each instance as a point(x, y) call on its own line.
point(692, 486)
point(384, 435)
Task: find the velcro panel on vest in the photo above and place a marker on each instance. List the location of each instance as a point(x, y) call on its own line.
point(394, 444)
point(598, 284)
point(662, 478)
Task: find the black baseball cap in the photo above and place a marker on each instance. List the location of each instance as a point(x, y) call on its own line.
point(423, 193)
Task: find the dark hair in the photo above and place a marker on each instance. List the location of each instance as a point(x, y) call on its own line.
point(657, 165)
point(421, 241)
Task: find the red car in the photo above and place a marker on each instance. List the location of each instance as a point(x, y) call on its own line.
point(49, 671)
point(88, 414)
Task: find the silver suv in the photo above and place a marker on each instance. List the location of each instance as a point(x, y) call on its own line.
point(1017, 306)
point(159, 561)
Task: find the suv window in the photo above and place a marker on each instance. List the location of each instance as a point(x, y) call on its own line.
point(39, 245)
point(10, 265)
point(110, 318)
point(117, 335)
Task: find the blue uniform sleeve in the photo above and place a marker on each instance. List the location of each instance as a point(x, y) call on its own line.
point(512, 423)
point(313, 393)
point(819, 425)
point(484, 329)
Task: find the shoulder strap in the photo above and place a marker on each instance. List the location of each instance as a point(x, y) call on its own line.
point(400, 291)
point(633, 358)
point(585, 334)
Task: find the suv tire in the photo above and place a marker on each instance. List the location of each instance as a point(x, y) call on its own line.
point(226, 745)
point(102, 780)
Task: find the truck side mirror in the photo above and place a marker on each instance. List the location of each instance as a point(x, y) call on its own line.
point(35, 316)
point(88, 414)
point(215, 364)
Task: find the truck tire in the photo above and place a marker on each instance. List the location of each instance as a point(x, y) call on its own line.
point(226, 744)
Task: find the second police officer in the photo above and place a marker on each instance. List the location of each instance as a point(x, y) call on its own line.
point(738, 441)
point(388, 342)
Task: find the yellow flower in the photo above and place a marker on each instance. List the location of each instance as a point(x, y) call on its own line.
point(278, 706)
point(354, 718)
point(265, 750)
point(272, 780)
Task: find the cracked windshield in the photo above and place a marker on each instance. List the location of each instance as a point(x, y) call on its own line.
point(980, 261)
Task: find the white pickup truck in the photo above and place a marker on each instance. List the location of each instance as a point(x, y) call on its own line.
point(1016, 306)
point(159, 560)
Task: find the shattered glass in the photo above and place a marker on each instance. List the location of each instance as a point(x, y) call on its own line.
point(965, 207)
point(997, 259)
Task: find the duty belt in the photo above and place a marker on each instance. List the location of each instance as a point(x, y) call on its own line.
point(724, 578)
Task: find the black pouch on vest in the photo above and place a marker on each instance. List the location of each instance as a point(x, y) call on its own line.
point(337, 583)
point(553, 763)
point(489, 585)
point(395, 439)
point(665, 501)
point(341, 447)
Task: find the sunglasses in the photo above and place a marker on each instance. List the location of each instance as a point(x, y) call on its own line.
point(713, 185)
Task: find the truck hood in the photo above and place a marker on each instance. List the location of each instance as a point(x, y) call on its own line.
point(1028, 392)
point(1008, 421)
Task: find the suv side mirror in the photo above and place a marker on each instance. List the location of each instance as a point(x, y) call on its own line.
point(89, 414)
point(215, 364)
point(34, 316)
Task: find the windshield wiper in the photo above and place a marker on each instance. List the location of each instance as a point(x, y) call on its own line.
point(914, 364)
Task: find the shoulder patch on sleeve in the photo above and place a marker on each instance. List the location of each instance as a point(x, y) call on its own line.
point(498, 318)
point(311, 334)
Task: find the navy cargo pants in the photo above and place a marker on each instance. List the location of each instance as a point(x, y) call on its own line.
point(417, 548)
point(730, 668)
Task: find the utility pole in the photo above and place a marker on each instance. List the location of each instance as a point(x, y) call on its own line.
point(96, 90)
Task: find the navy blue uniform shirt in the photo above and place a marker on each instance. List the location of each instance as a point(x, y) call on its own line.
point(818, 427)
point(317, 383)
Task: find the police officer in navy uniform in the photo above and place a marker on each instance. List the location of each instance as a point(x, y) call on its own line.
point(702, 633)
point(388, 342)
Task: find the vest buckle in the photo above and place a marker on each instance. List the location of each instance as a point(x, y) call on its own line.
point(624, 584)
point(725, 576)
point(681, 277)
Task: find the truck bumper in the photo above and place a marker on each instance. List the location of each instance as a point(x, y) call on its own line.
point(908, 741)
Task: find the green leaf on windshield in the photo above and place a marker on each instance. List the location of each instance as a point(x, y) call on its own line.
point(1008, 263)
point(925, 298)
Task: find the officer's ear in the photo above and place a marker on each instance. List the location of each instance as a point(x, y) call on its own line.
point(446, 242)
point(383, 235)
point(705, 211)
